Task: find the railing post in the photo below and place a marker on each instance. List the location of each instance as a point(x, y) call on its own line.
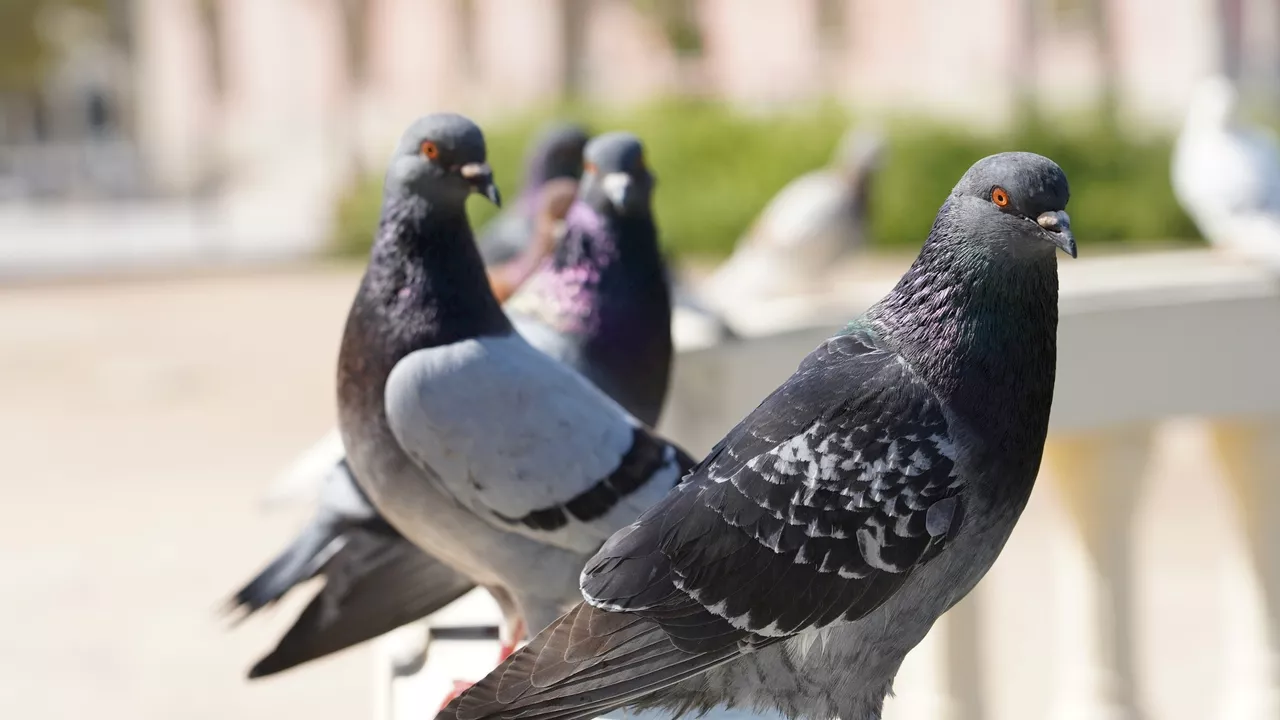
point(1098, 476)
point(398, 659)
point(1249, 456)
point(941, 678)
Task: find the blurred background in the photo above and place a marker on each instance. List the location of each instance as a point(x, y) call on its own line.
point(188, 189)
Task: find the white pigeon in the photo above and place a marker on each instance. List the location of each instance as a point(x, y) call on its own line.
point(1226, 174)
point(814, 222)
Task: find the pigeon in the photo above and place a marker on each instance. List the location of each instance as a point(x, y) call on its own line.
point(609, 268)
point(556, 154)
point(602, 302)
point(514, 244)
point(1226, 175)
point(813, 223)
point(799, 562)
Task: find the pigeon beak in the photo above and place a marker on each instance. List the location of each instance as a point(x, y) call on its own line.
point(615, 186)
point(1057, 225)
point(481, 178)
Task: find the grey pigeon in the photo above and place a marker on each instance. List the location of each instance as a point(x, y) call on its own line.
point(797, 565)
point(812, 224)
point(601, 305)
point(501, 461)
point(556, 153)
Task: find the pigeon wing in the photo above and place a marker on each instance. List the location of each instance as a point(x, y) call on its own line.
point(525, 442)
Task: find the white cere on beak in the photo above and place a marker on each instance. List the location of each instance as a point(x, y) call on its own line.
point(615, 186)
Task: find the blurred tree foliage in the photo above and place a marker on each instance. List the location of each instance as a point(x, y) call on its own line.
point(678, 21)
point(717, 168)
point(25, 54)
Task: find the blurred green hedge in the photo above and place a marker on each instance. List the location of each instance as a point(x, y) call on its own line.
point(717, 167)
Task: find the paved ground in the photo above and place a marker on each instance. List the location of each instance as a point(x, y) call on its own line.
point(141, 422)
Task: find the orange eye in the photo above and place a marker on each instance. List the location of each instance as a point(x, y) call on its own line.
point(1000, 197)
point(589, 167)
point(430, 150)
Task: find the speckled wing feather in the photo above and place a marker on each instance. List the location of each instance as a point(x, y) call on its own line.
point(812, 511)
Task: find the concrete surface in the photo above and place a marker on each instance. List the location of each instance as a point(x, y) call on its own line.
point(141, 422)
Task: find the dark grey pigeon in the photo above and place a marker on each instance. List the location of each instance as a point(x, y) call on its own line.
point(605, 285)
point(601, 303)
point(507, 465)
point(823, 536)
point(556, 153)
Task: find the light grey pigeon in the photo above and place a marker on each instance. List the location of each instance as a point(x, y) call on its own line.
point(601, 305)
point(504, 463)
point(1226, 174)
point(797, 565)
point(811, 225)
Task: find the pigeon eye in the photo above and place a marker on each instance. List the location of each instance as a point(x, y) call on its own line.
point(430, 150)
point(999, 197)
point(589, 167)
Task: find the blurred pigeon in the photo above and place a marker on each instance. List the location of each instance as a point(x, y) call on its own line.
point(609, 263)
point(306, 477)
point(1226, 175)
point(862, 499)
point(554, 200)
point(556, 154)
point(810, 225)
point(601, 303)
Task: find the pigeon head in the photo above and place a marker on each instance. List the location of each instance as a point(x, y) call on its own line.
point(441, 158)
point(556, 154)
point(615, 178)
point(1014, 202)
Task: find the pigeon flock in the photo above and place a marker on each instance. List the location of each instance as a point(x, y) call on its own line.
point(496, 403)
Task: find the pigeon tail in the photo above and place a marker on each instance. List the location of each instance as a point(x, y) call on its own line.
point(585, 664)
point(374, 584)
point(298, 563)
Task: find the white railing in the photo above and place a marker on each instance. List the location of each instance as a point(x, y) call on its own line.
point(1143, 580)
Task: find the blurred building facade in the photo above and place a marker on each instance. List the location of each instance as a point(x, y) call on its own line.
point(268, 108)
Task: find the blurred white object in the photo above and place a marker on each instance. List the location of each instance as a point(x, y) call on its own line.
point(695, 326)
point(1226, 174)
point(302, 481)
point(810, 225)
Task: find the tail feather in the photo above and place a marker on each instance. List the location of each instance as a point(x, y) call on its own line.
point(586, 663)
point(298, 563)
point(375, 584)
